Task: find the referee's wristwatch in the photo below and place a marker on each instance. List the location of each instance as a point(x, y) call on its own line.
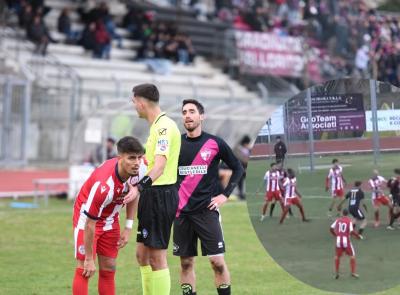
point(144, 183)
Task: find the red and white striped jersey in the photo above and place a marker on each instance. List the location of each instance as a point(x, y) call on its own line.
point(336, 178)
point(289, 186)
point(101, 196)
point(272, 181)
point(376, 184)
point(343, 227)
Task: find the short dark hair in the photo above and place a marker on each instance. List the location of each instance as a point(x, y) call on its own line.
point(245, 140)
point(397, 171)
point(199, 106)
point(335, 161)
point(345, 212)
point(357, 183)
point(291, 172)
point(272, 164)
point(147, 91)
point(129, 145)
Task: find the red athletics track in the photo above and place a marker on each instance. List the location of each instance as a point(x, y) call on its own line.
point(22, 180)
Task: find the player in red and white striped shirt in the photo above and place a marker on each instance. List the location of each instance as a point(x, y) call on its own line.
point(96, 216)
point(335, 183)
point(292, 195)
point(272, 189)
point(342, 228)
point(377, 184)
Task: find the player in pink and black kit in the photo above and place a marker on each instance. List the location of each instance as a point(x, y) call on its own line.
point(376, 184)
point(292, 195)
point(273, 194)
point(335, 183)
point(342, 228)
point(96, 216)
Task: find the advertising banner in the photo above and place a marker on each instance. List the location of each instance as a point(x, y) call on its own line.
point(330, 113)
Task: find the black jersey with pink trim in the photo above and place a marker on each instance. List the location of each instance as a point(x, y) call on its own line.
point(198, 171)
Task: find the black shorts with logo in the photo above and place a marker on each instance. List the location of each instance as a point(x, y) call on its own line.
point(205, 226)
point(356, 213)
point(156, 213)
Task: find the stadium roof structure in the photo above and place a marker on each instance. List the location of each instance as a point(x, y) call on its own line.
point(118, 118)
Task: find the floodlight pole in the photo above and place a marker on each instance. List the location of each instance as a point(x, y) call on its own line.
point(310, 129)
point(374, 117)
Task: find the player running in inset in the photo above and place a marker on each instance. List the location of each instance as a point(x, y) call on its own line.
point(335, 183)
point(394, 186)
point(292, 195)
point(342, 228)
point(377, 183)
point(356, 197)
point(272, 189)
point(96, 216)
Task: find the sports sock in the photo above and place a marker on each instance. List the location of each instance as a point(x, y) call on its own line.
point(353, 264)
point(224, 289)
point(271, 209)
point(337, 263)
point(360, 231)
point(80, 284)
point(376, 216)
point(145, 272)
point(106, 284)
point(161, 282)
point(290, 211)
point(187, 289)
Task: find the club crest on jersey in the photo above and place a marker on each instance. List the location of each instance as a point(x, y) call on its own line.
point(205, 154)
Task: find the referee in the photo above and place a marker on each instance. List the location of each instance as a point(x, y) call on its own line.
point(158, 192)
point(200, 197)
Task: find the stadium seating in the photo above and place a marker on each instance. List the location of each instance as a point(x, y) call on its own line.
point(110, 78)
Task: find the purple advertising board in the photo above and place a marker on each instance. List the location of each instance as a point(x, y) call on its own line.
point(330, 113)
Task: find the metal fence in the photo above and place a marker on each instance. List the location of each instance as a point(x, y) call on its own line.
point(14, 119)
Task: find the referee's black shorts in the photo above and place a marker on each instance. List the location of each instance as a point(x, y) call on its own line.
point(205, 226)
point(156, 213)
point(356, 213)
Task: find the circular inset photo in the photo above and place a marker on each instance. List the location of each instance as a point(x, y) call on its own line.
point(323, 186)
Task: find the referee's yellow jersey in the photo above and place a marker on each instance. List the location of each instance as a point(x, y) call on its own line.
point(164, 139)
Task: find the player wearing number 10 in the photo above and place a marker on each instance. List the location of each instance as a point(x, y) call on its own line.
point(342, 228)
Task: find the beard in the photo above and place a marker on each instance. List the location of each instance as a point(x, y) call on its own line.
point(192, 127)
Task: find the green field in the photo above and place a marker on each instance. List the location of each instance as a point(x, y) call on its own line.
point(36, 250)
point(306, 249)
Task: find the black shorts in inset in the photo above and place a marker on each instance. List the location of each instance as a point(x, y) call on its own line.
point(156, 213)
point(205, 226)
point(356, 213)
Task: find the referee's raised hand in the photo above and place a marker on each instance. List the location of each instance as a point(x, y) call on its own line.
point(217, 202)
